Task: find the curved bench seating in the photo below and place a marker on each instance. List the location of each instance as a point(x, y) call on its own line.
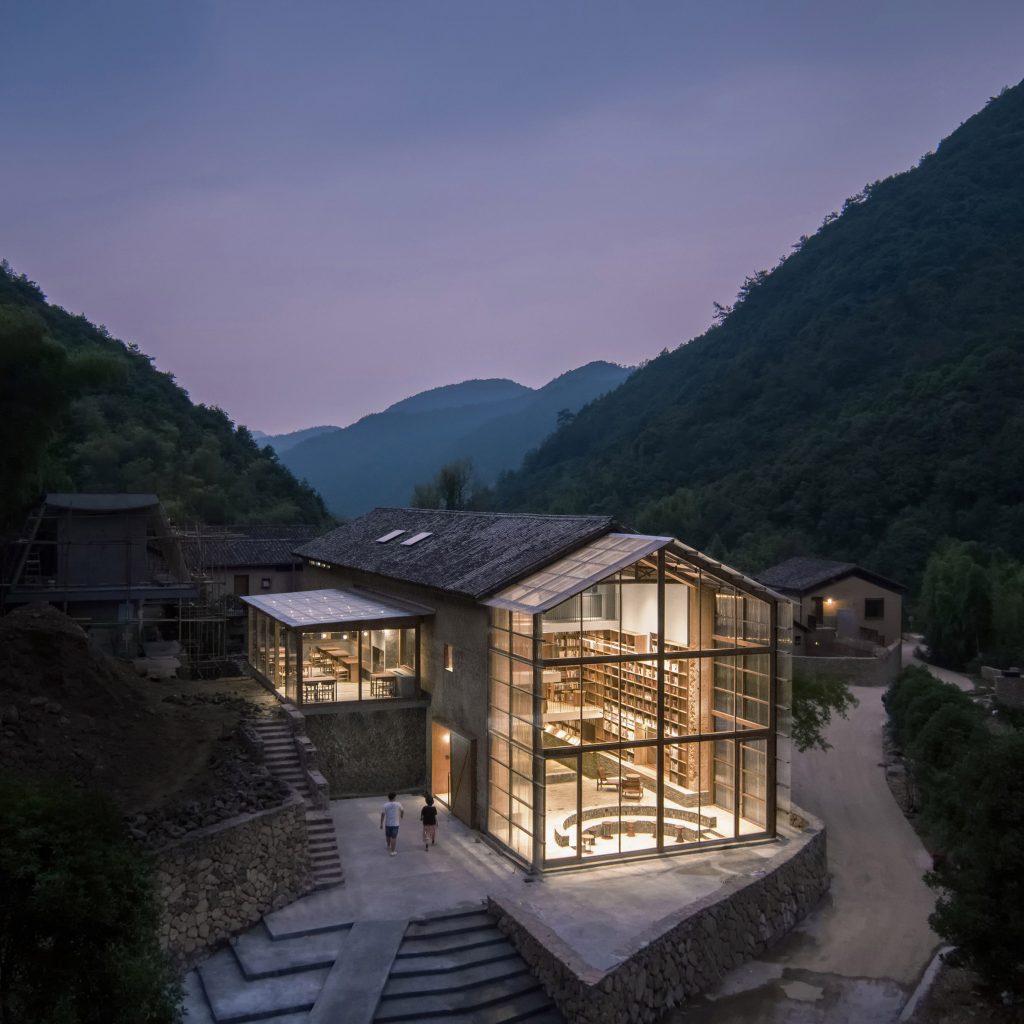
point(644, 819)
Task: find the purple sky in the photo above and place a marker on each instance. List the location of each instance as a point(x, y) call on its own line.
point(309, 211)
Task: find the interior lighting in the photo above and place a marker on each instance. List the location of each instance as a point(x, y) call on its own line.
point(447, 737)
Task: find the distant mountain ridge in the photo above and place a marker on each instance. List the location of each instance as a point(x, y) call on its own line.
point(860, 401)
point(494, 422)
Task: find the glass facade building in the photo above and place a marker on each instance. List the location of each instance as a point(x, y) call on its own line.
point(634, 691)
point(331, 646)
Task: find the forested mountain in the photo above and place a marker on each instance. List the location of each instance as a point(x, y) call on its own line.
point(861, 400)
point(379, 459)
point(282, 442)
point(85, 412)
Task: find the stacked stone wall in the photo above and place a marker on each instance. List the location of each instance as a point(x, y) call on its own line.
point(879, 670)
point(219, 880)
point(683, 954)
point(362, 753)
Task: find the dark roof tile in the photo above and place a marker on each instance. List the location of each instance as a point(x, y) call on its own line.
point(468, 553)
point(798, 575)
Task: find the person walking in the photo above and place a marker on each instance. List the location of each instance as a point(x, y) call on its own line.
point(390, 818)
point(428, 815)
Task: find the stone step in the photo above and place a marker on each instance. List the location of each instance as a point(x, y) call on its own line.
point(194, 1003)
point(261, 956)
point(450, 924)
point(233, 999)
point(440, 963)
point(458, 980)
point(450, 942)
point(531, 1007)
point(469, 1001)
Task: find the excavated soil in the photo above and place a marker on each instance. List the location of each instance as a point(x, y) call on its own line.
point(166, 752)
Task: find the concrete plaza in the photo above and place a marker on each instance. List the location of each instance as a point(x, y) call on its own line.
point(598, 911)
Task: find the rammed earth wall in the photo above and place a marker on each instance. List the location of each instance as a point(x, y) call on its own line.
point(216, 881)
point(684, 953)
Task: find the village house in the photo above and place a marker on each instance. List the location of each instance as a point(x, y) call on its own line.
point(837, 604)
point(576, 691)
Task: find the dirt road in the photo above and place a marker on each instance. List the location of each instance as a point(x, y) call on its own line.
point(856, 959)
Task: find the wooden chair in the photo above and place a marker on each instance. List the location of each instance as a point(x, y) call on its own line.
point(605, 781)
point(632, 788)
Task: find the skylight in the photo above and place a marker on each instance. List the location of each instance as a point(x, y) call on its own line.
point(416, 538)
point(391, 536)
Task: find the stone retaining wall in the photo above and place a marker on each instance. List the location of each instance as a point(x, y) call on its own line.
point(219, 880)
point(682, 954)
point(876, 671)
point(362, 753)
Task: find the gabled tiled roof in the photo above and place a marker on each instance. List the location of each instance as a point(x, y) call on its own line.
point(468, 553)
point(799, 575)
point(256, 546)
point(101, 502)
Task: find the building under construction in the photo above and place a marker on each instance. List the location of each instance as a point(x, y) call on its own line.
point(114, 564)
point(164, 596)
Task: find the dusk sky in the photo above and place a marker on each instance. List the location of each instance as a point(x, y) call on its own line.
point(307, 211)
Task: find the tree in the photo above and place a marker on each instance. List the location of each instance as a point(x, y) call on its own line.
point(450, 488)
point(981, 879)
point(78, 917)
point(956, 604)
point(816, 697)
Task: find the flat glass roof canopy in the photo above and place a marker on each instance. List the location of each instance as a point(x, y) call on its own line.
point(352, 608)
point(568, 576)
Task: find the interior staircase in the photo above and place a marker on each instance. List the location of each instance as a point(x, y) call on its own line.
point(281, 757)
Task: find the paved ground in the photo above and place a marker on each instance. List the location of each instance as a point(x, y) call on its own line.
point(945, 674)
point(461, 871)
point(856, 959)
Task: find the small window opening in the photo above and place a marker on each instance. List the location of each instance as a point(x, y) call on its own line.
point(390, 536)
point(449, 658)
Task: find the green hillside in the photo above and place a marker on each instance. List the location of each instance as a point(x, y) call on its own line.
point(85, 412)
point(860, 401)
point(493, 423)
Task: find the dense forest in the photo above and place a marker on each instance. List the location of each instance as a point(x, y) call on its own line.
point(861, 400)
point(85, 412)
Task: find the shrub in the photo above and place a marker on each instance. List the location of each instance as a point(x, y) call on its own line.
point(78, 917)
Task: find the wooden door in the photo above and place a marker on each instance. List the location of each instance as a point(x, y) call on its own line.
point(463, 778)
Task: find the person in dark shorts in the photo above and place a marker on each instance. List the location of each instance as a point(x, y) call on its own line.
point(390, 818)
point(428, 815)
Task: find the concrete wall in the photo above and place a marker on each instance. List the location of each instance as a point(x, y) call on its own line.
point(851, 593)
point(1010, 691)
point(459, 698)
point(364, 753)
point(219, 880)
point(684, 953)
point(876, 671)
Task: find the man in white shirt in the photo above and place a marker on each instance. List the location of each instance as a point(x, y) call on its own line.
point(390, 818)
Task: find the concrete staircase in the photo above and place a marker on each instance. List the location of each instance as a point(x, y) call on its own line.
point(459, 967)
point(452, 967)
point(260, 976)
point(281, 756)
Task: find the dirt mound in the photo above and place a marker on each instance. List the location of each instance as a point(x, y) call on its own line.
point(68, 709)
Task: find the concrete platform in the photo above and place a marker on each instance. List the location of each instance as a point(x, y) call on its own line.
point(597, 911)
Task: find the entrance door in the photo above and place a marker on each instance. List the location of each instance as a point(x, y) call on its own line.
point(453, 771)
point(241, 588)
point(440, 763)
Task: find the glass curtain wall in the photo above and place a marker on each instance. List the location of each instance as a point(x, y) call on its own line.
point(633, 717)
point(326, 665)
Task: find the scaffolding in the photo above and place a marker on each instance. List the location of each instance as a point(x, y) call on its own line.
point(114, 564)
